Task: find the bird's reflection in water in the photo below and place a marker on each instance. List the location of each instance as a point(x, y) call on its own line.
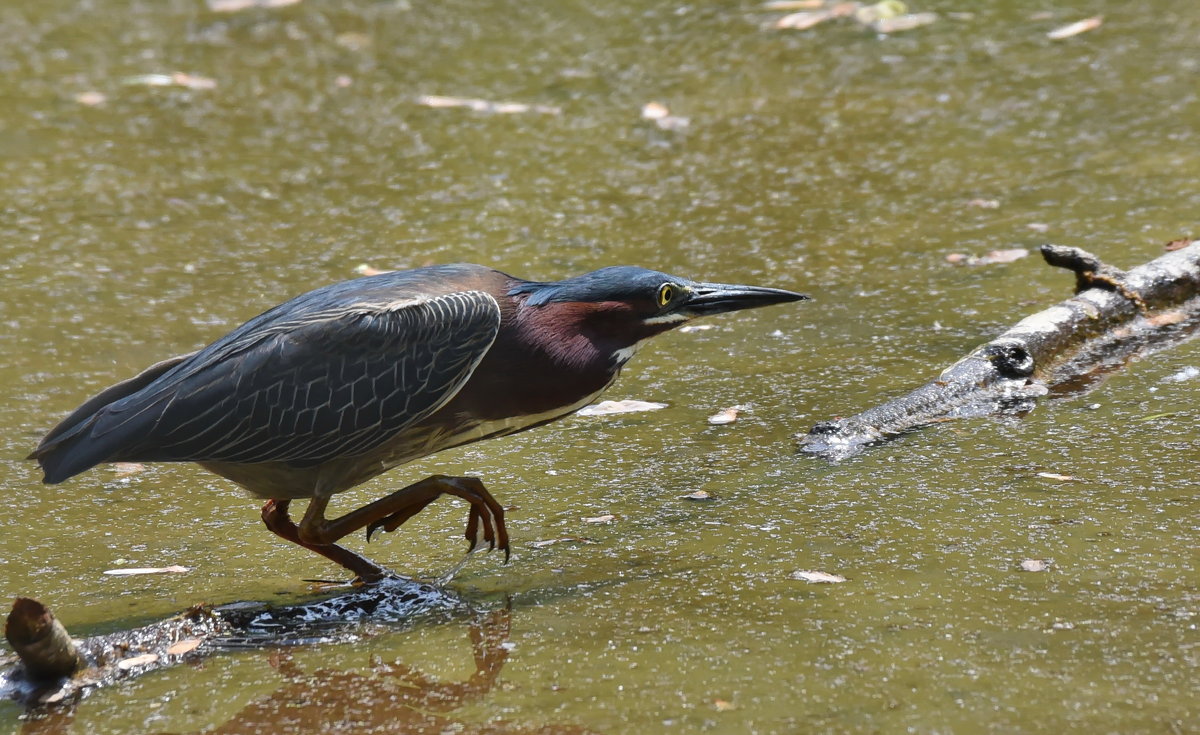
point(392, 698)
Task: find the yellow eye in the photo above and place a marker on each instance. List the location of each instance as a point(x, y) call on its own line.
point(665, 294)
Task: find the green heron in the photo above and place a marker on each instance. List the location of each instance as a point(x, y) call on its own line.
point(343, 383)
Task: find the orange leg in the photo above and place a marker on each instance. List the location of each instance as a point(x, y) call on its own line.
point(485, 520)
point(275, 516)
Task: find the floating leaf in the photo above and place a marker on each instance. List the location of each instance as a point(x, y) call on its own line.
point(883, 10)
point(135, 661)
point(364, 269)
point(725, 416)
point(802, 21)
point(176, 79)
point(793, 4)
point(606, 518)
point(124, 469)
point(698, 495)
point(478, 105)
point(1056, 476)
point(233, 6)
point(992, 257)
point(607, 408)
point(1074, 29)
point(1167, 318)
point(174, 569)
point(91, 99)
point(1156, 416)
point(353, 41)
point(565, 539)
point(53, 696)
point(1035, 565)
point(821, 577)
point(662, 117)
point(654, 111)
point(184, 646)
point(903, 22)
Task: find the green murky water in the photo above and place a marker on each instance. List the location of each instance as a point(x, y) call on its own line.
point(832, 161)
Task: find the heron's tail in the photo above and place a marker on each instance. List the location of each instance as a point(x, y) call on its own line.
point(75, 446)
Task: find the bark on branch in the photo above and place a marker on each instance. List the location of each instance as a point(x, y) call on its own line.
point(1066, 348)
point(51, 667)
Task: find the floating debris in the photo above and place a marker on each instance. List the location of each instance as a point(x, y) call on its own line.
point(654, 111)
point(1074, 29)
point(1179, 244)
point(699, 495)
point(478, 105)
point(1056, 476)
point(133, 662)
point(187, 645)
point(905, 22)
point(725, 416)
point(365, 269)
point(818, 577)
point(793, 4)
point(124, 469)
point(52, 697)
point(1034, 565)
point(352, 41)
point(608, 408)
point(887, 16)
point(1156, 416)
point(1167, 318)
point(722, 705)
point(661, 116)
point(992, 257)
point(598, 520)
point(233, 6)
point(176, 79)
point(173, 569)
point(91, 99)
point(802, 21)
point(564, 540)
point(867, 14)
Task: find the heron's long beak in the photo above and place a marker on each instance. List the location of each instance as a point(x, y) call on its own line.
point(718, 298)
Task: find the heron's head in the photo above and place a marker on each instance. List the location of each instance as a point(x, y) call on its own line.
point(623, 305)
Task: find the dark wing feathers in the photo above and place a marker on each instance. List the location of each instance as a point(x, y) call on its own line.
point(107, 396)
point(302, 388)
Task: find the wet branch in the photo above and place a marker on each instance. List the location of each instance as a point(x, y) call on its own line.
point(50, 667)
point(1066, 348)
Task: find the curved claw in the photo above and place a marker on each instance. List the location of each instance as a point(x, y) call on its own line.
point(485, 518)
point(486, 524)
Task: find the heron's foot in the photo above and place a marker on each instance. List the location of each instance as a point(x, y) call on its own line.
point(485, 519)
point(275, 516)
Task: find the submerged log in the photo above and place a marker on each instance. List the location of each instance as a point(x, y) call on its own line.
point(51, 667)
point(1064, 349)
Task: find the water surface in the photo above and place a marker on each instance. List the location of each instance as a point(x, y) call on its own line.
point(832, 161)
